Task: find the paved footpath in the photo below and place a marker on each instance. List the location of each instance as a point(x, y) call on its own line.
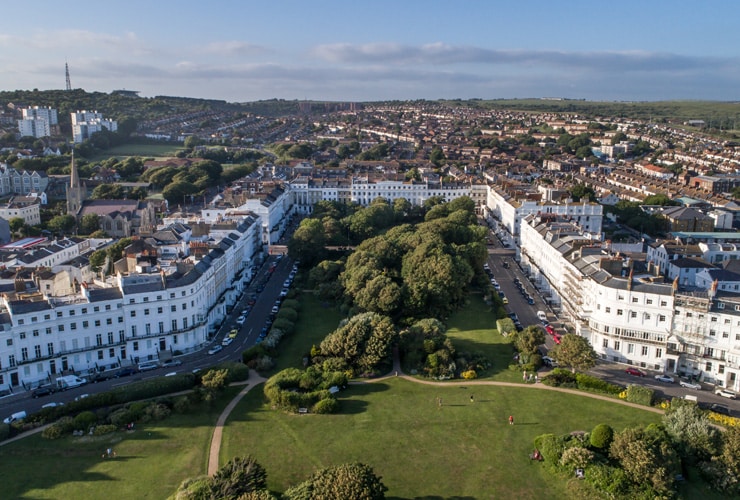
point(254, 380)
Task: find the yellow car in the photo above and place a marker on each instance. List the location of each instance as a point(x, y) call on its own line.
point(233, 333)
point(505, 300)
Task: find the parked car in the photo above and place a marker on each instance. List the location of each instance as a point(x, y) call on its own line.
point(148, 365)
point(233, 333)
point(19, 415)
point(690, 385)
point(275, 309)
point(548, 361)
point(42, 391)
point(240, 320)
point(52, 405)
point(556, 338)
point(664, 378)
point(215, 349)
point(725, 393)
point(171, 362)
point(634, 371)
point(226, 341)
point(717, 408)
point(125, 372)
point(550, 330)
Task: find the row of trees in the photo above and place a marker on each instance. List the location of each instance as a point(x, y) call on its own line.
point(644, 462)
point(243, 478)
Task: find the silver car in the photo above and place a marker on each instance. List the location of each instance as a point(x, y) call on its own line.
point(690, 385)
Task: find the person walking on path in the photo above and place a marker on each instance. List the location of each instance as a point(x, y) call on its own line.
point(511, 419)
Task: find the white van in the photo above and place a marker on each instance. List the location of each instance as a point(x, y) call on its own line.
point(19, 415)
point(542, 315)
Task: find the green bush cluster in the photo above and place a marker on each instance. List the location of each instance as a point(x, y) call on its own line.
point(640, 395)
point(292, 389)
point(560, 377)
point(594, 384)
point(103, 429)
point(146, 389)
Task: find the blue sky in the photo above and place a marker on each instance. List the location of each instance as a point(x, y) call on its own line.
point(363, 51)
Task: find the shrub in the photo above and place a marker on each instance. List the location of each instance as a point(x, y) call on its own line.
point(469, 374)
point(593, 384)
point(234, 371)
point(182, 405)
point(158, 411)
point(261, 364)
point(254, 352)
point(601, 437)
point(84, 420)
point(288, 314)
point(724, 420)
point(101, 430)
point(54, 431)
point(122, 416)
point(325, 406)
point(640, 395)
point(607, 479)
point(536, 361)
point(576, 457)
point(560, 377)
point(551, 447)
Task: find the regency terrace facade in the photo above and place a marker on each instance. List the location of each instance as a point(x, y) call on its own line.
point(636, 320)
point(51, 324)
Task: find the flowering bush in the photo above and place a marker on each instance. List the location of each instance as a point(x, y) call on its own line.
point(469, 374)
point(724, 419)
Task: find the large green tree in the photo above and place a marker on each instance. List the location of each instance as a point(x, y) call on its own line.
point(355, 480)
point(364, 342)
point(575, 352)
point(62, 223)
point(647, 456)
point(89, 223)
point(528, 340)
point(308, 243)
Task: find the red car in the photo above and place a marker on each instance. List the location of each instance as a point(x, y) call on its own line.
point(549, 329)
point(556, 338)
point(635, 372)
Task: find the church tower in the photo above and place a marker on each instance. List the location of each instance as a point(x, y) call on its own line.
point(75, 191)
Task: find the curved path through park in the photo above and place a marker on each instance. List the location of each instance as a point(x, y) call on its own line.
point(255, 379)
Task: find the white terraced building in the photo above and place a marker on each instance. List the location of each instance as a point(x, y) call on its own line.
point(635, 320)
point(66, 326)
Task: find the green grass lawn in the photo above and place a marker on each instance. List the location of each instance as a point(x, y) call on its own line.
point(473, 329)
point(462, 449)
point(151, 462)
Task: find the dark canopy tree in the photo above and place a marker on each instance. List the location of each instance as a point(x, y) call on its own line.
point(363, 343)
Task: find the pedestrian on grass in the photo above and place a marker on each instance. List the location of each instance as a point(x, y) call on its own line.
point(472, 399)
point(511, 419)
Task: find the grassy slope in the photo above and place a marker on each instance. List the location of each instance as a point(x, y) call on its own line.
point(151, 461)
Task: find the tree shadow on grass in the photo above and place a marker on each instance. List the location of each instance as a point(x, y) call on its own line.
point(352, 399)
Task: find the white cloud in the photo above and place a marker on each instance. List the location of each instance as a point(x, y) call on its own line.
point(233, 47)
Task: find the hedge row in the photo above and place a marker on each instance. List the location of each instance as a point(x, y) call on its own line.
point(560, 377)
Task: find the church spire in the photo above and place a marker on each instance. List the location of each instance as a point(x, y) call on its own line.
point(74, 178)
